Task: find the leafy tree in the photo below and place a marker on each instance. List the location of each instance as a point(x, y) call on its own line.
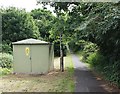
point(44, 20)
point(98, 23)
point(17, 25)
point(103, 28)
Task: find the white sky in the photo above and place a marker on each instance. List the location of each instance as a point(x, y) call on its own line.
point(27, 4)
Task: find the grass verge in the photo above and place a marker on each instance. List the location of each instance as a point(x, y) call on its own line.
point(66, 84)
point(69, 80)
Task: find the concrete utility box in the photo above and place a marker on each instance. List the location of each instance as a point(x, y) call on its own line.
point(33, 56)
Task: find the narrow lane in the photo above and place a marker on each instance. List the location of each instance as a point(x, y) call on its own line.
point(85, 80)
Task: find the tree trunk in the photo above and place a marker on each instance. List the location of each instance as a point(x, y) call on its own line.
point(61, 54)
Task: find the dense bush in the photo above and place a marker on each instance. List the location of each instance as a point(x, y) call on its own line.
point(6, 60)
point(88, 49)
point(95, 59)
point(6, 48)
point(5, 71)
point(82, 45)
point(73, 46)
point(85, 48)
point(109, 69)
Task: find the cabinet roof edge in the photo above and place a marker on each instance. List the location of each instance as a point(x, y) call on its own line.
point(30, 41)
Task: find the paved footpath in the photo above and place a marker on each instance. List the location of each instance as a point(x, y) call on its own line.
point(85, 80)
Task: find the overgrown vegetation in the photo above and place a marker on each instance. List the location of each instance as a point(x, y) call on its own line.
point(102, 64)
point(5, 71)
point(85, 48)
point(6, 63)
point(6, 60)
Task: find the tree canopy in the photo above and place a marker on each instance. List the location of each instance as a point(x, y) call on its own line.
point(44, 20)
point(17, 25)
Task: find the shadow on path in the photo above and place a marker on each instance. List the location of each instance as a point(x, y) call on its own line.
point(85, 80)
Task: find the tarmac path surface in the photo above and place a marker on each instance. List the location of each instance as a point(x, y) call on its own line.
point(85, 80)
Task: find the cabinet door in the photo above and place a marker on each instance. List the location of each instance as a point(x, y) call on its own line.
point(40, 58)
point(22, 62)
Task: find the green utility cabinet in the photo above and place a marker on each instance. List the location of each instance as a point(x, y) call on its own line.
point(33, 56)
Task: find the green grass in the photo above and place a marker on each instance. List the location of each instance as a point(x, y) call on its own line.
point(70, 76)
point(67, 84)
